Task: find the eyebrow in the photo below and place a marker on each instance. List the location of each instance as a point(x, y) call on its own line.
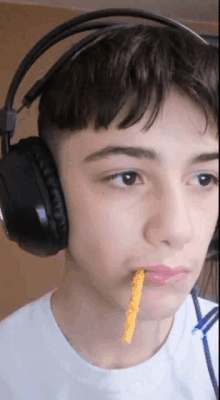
point(146, 153)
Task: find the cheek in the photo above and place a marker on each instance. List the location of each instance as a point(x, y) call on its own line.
point(96, 223)
point(97, 227)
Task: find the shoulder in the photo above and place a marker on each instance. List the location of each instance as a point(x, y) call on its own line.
point(24, 318)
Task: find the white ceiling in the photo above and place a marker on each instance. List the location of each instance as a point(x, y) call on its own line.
point(194, 10)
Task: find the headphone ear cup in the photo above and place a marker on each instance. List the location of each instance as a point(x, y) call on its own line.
point(32, 202)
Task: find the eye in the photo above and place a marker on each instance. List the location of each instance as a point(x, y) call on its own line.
point(128, 179)
point(207, 179)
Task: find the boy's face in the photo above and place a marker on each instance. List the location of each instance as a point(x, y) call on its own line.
point(164, 214)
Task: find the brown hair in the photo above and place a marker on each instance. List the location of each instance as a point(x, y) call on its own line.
point(134, 61)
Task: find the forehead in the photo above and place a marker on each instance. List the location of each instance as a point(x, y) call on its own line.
point(177, 111)
point(179, 127)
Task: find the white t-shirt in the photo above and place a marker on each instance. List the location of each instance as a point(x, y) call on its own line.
point(38, 363)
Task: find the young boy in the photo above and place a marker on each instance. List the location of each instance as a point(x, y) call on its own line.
point(126, 125)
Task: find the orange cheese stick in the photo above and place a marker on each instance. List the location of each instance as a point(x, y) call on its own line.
point(137, 284)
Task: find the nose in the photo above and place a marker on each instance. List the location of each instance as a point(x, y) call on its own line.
point(171, 221)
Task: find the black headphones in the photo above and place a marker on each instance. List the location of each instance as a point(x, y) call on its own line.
point(32, 204)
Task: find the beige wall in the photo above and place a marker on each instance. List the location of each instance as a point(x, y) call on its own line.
point(195, 10)
point(24, 277)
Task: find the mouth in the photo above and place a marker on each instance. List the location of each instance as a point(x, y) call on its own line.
point(166, 274)
point(162, 270)
point(163, 279)
point(162, 275)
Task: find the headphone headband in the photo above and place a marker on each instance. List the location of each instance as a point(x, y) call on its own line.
point(8, 116)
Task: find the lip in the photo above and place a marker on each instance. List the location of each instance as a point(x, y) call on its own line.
point(163, 270)
point(162, 280)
